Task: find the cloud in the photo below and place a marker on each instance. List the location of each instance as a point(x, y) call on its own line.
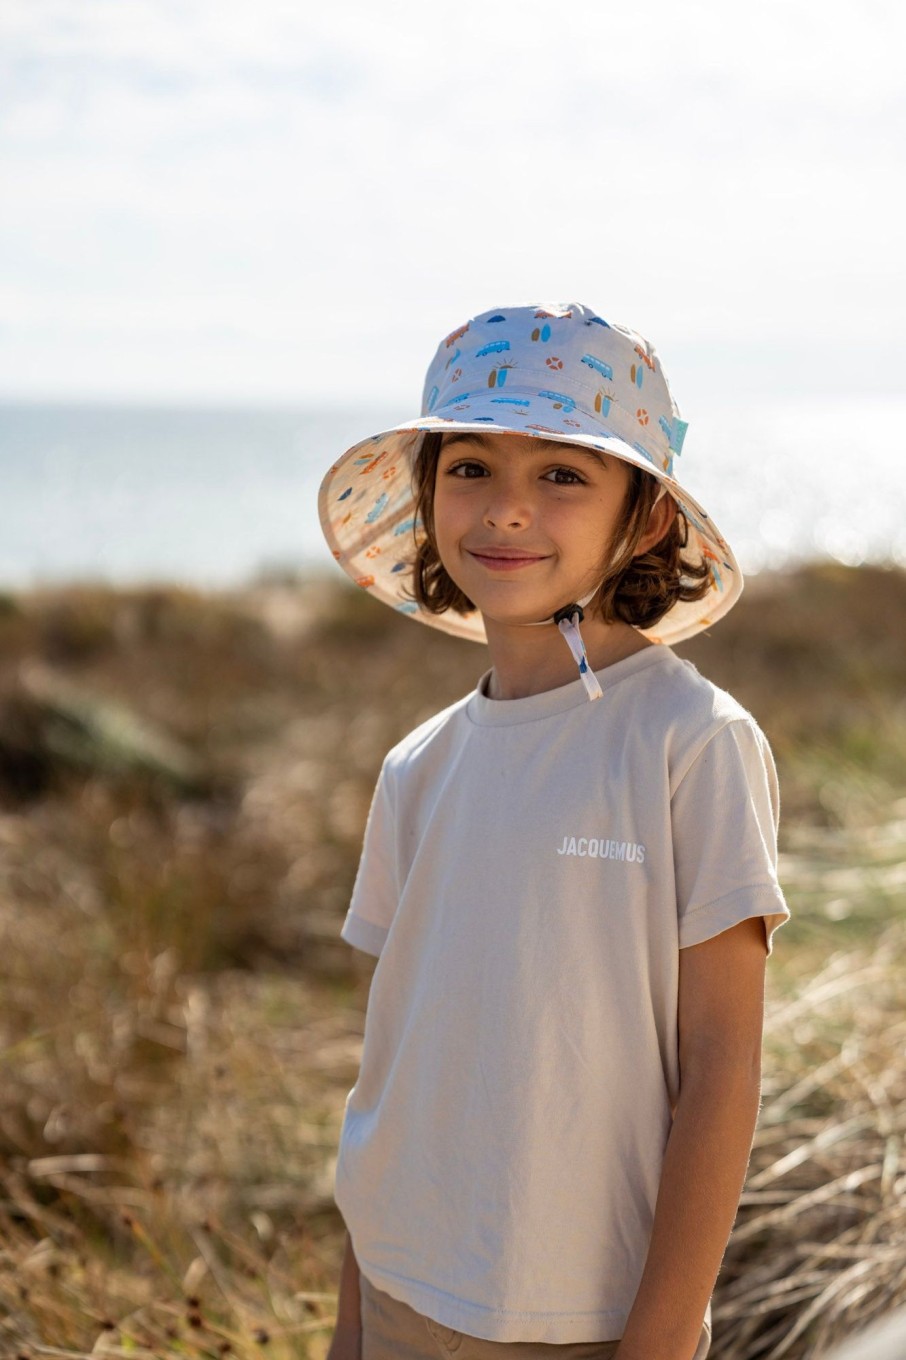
point(340, 179)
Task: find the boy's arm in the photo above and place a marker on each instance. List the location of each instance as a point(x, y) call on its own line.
point(721, 1007)
point(347, 1337)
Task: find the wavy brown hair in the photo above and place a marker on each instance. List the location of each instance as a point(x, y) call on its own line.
point(636, 589)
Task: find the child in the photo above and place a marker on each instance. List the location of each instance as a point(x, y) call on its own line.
point(568, 877)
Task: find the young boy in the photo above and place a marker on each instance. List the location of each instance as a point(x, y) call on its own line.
point(568, 877)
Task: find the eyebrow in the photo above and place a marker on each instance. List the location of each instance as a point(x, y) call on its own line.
point(549, 445)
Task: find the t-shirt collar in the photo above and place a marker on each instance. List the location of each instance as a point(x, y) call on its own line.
point(485, 712)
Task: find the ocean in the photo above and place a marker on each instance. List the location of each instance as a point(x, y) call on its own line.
point(219, 497)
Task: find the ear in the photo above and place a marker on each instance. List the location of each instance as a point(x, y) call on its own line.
point(659, 521)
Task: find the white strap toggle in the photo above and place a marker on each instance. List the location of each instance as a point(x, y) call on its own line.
point(570, 630)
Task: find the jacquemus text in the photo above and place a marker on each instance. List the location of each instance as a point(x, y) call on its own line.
point(591, 848)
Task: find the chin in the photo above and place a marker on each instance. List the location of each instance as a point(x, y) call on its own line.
point(516, 618)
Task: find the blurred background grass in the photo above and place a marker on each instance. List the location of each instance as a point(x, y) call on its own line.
point(184, 780)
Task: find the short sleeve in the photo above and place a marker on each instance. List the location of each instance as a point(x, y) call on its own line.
point(374, 894)
point(725, 814)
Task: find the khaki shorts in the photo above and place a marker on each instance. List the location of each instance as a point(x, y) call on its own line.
point(391, 1330)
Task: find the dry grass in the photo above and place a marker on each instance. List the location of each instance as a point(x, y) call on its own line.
point(818, 1250)
point(212, 1230)
point(180, 1024)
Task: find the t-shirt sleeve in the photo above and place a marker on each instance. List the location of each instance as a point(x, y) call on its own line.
point(725, 812)
point(374, 894)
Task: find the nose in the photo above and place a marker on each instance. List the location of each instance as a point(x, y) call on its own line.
point(507, 507)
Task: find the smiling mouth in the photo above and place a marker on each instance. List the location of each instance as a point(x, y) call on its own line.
point(503, 560)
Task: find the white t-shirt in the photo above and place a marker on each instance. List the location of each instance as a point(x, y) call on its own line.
point(531, 869)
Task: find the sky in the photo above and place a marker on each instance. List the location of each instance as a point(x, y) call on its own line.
point(214, 201)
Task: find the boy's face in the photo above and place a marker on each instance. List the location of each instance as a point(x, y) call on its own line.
point(522, 524)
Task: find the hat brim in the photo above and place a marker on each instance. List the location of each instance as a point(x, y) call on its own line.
point(367, 511)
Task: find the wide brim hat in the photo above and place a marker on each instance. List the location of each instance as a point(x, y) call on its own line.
point(559, 371)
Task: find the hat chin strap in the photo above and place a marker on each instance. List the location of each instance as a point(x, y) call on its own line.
point(567, 620)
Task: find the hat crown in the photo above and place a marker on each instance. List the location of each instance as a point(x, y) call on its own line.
point(550, 361)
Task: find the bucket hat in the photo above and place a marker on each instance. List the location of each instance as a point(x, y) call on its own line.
point(559, 371)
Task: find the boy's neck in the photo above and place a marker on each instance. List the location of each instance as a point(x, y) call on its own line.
point(529, 661)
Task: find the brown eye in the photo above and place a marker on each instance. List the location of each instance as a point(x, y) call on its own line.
point(466, 469)
point(564, 476)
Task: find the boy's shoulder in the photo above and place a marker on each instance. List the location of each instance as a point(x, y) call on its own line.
point(694, 709)
point(693, 698)
point(423, 737)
